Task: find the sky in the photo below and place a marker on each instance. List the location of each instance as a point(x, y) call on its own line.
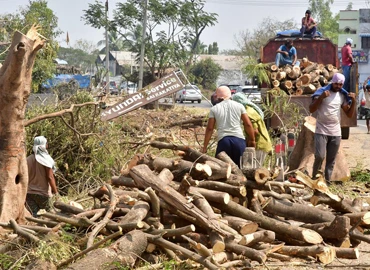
point(234, 16)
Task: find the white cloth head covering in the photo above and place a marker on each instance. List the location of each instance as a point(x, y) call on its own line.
point(349, 41)
point(41, 154)
point(338, 78)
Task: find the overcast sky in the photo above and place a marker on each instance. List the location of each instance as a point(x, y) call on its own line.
point(234, 16)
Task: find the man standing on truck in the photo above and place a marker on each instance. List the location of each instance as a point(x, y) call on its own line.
point(228, 114)
point(286, 54)
point(347, 61)
point(328, 101)
point(308, 25)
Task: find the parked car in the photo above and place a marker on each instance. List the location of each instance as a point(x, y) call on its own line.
point(113, 90)
point(252, 91)
point(190, 92)
point(232, 87)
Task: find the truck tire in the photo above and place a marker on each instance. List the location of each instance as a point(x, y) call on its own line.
point(345, 133)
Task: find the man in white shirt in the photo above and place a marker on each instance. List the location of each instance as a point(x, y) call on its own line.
point(328, 101)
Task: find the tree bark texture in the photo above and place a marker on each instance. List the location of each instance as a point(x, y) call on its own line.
point(15, 88)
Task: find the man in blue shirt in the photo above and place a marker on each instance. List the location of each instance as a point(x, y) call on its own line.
point(287, 54)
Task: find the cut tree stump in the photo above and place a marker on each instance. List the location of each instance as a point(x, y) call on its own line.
point(15, 88)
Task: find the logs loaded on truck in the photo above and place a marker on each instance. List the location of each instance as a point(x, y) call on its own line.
point(318, 63)
point(194, 206)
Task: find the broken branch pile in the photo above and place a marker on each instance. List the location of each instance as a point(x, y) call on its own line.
point(207, 210)
point(301, 80)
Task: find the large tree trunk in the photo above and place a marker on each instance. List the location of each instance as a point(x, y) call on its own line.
point(15, 87)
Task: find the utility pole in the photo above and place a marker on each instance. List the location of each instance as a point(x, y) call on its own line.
point(106, 90)
point(141, 70)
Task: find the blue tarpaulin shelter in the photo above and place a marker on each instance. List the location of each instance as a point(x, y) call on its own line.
point(83, 80)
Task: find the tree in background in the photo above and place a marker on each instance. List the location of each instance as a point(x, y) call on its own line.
point(38, 13)
point(83, 55)
point(327, 22)
point(185, 21)
point(213, 48)
point(205, 73)
point(249, 43)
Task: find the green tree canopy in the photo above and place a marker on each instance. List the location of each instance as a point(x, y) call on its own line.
point(328, 23)
point(183, 20)
point(38, 13)
point(206, 72)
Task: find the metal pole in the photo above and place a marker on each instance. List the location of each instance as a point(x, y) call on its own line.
point(106, 90)
point(141, 71)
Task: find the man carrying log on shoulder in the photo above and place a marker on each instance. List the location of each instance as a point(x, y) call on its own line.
point(286, 54)
point(227, 115)
point(328, 101)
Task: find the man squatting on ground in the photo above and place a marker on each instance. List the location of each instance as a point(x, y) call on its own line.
point(41, 181)
point(328, 101)
point(228, 115)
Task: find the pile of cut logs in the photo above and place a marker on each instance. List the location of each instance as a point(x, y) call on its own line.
point(301, 80)
point(208, 210)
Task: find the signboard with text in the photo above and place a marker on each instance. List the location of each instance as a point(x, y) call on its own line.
point(358, 56)
point(154, 91)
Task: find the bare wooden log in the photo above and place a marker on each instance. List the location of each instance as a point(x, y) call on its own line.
point(202, 204)
point(275, 83)
point(347, 253)
point(324, 254)
point(309, 68)
point(305, 62)
point(217, 242)
point(198, 247)
point(77, 222)
point(137, 213)
point(357, 235)
point(304, 79)
point(143, 175)
point(223, 257)
point(170, 233)
point(274, 67)
point(286, 85)
point(67, 208)
point(281, 75)
point(166, 175)
point(329, 67)
point(241, 225)
point(260, 175)
point(260, 236)
point(338, 204)
point(18, 230)
point(309, 89)
point(273, 76)
point(250, 253)
point(295, 73)
point(298, 212)
point(301, 234)
point(220, 186)
point(234, 167)
point(101, 224)
point(187, 253)
point(125, 181)
point(219, 172)
point(48, 223)
point(126, 250)
point(337, 229)
point(360, 218)
point(155, 204)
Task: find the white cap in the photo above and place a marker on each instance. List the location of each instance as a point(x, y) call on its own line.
point(349, 41)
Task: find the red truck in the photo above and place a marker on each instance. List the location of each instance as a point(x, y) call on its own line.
point(321, 51)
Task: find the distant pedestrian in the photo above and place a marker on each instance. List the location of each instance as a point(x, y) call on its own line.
point(41, 181)
point(227, 116)
point(347, 62)
point(328, 101)
point(309, 25)
point(286, 54)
